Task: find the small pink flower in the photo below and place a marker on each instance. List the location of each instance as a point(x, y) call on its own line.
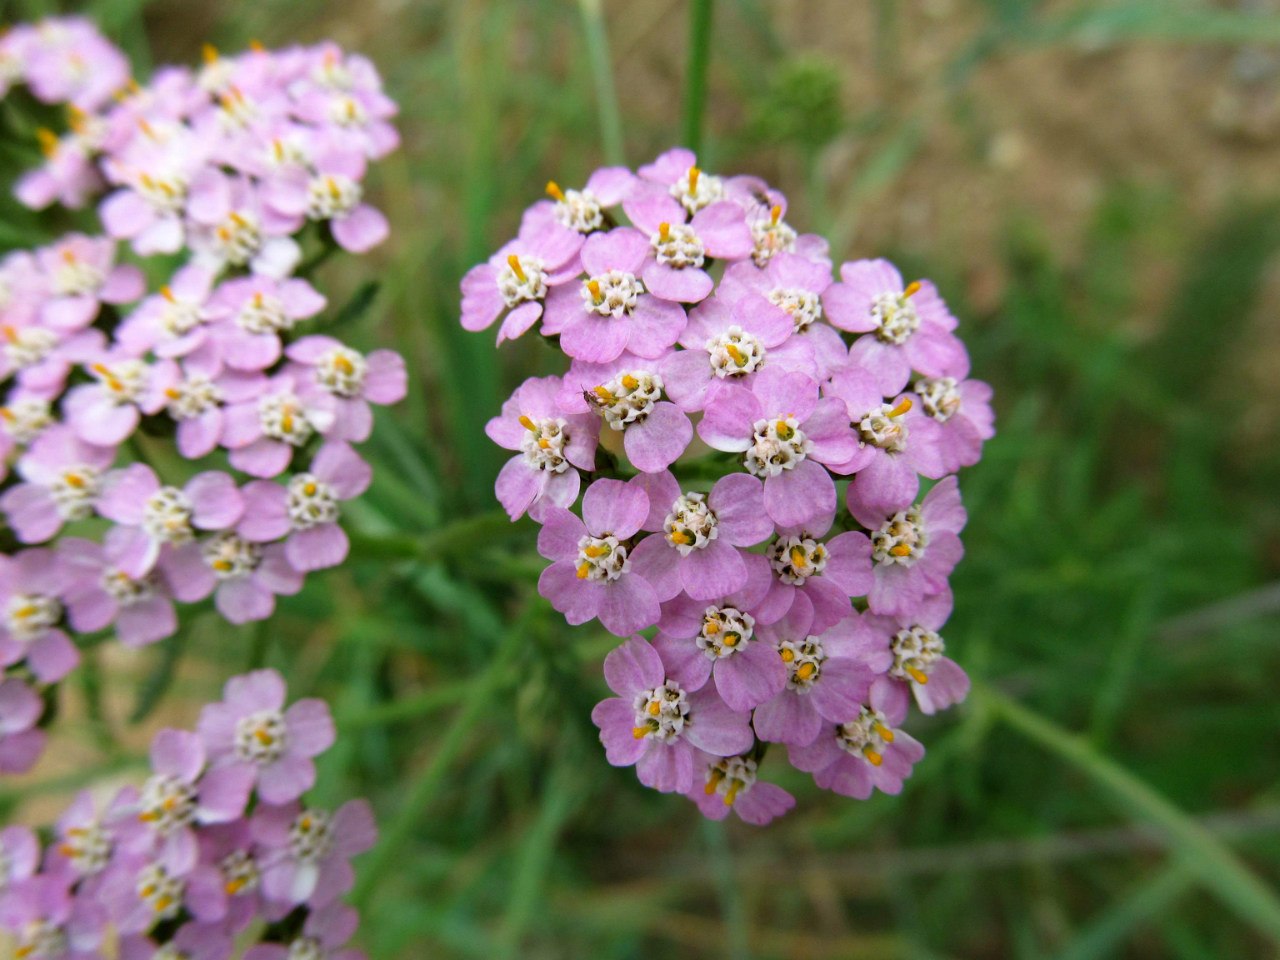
point(173, 321)
point(233, 227)
point(308, 851)
point(107, 411)
point(731, 784)
point(254, 313)
point(962, 408)
point(786, 434)
point(590, 575)
point(32, 586)
point(43, 911)
point(324, 937)
point(62, 477)
point(262, 432)
point(919, 663)
point(906, 327)
point(553, 447)
point(155, 515)
point(82, 275)
point(21, 744)
point(102, 595)
point(516, 280)
point(252, 731)
point(353, 380)
point(656, 724)
point(580, 211)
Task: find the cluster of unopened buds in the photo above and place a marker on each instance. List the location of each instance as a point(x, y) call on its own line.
point(113, 397)
point(218, 845)
point(712, 350)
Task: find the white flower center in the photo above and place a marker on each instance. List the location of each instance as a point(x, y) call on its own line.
point(25, 419)
point(167, 194)
point(332, 196)
point(238, 237)
point(661, 713)
point(804, 660)
point(778, 445)
point(311, 836)
point(696, 190)
point(611, 294)
point(730, 777)
point(28, 345)
point(74, 277)
point(805, 306)
point(901, 539)
point(264, 313)
point(332, 74)
point(311, 502)
point(771, 237)
point(691, 524)
point(179, 317)
point(166, 516)
point(915, 652)
point(724, 631)
point(126, 590)
point(283, 152)
point(75, 490)
point(191, 397)
point(579, 210)
point(602, 558)
point(628, 398)
point(283, 418)
point(230, 556)
point(87, 848)
point(678, 246)
point(940, 397)
point(42, 940)
point(883, 427)
point(895, 317)
point(865, 736)
point(240, 873)
point(341, 371)
point(348, 112)
point(168, 804)
point(543, 443)
point(795, 559)
point(123, 381)
point(261, 738)
point(236, 112)
point(29, 615)
point(161, 892)
point(523, 278)
point(305, 948)
point(735, 353)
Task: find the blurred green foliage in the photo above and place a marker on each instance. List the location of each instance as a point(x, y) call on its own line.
point(1123, 525)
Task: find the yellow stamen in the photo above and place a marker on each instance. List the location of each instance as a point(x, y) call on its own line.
point(710, 627)
point(798, 559)
point(805, 671)
point(664, 232)
point(9, 332)
point(256, 46)
point(784, 430)
point(694, 173)
point(167, 293)
point(584, 570)
point(639, 732)
point(343, 364)
point(74, 480)
point(732, 793)
point(309, 489)
point(787, 655)
point(594, 287)
point(222, 566)
point(731, 639)
point(713, 781)
point(163, 903)
point(904, 405)
point(602, 393)
point(528, 424)
point(263, 737)
point(544, 443)
point(775, 214)
point(593, 551)
point(872, 757)
point(901, 550)
point(146, 128)
point(210, 53)
point(912, 289)
point(514, 263)
point(48, 141)
point(629, 381)
point(554, 191)
point(919, 676)
point(655, 708)
point(234, 886)
point(738, 356)
point(680, 537)
point(884, 732)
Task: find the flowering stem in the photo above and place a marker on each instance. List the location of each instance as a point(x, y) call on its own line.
point(1213, 863)
point(602, 72)
point(695, 91)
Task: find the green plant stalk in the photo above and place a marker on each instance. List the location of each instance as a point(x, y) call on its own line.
point(695, 91)
point(601, 62)
point(1214, 865)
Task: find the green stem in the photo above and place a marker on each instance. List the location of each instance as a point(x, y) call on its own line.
point(1214, 865)
point(695, 91)
point(601, 61)
point(423, 790)
point(450, 538)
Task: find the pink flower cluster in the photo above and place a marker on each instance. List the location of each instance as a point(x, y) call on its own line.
point(236, 166)
point(217, 844)
point(707, 337)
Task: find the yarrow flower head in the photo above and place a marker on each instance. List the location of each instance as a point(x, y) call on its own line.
point(228, 176)
point(735, 453)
